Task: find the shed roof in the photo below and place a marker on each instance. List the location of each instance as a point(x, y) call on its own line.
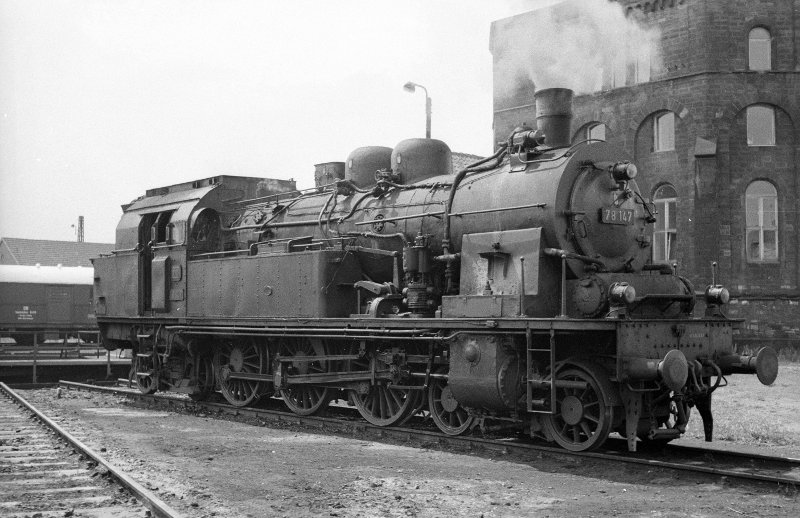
point(462, 160)
point(31, 252)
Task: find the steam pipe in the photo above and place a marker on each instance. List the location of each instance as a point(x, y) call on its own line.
point(556, 252)
point(322, 213)
point(354, 208)
point(456, 181)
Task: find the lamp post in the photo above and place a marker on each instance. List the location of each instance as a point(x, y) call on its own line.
point(411, 87)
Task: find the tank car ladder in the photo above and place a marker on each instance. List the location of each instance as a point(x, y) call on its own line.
point(539, 406)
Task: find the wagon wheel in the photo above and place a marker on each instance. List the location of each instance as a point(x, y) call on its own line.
point(305, 399)
point(241, 357)
point(203, 366)
point(582, 420)
point(447, 413)
point(386, 406)
point(146, 374)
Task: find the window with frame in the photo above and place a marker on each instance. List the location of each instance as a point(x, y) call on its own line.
point(665, 232)
point(625, 69)
point(760, 125)
point(664, 132)
point(759, 46)
point(643, 64)
point(761, 215)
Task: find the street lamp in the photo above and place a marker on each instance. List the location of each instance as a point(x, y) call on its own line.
point(411, 87)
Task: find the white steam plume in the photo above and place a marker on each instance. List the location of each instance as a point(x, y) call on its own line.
point(578, 44)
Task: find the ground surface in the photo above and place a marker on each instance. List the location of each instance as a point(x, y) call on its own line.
point(203, 466)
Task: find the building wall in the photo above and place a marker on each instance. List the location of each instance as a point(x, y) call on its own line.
point(702, 77)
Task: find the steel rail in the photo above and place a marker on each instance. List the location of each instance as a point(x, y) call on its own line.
point(505, 447)
point(157, 506)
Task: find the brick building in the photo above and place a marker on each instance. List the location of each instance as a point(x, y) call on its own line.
point(711, 119)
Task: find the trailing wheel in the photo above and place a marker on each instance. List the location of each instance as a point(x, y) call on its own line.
point(447, 413)
point(146, 373)
point(385, 406)
point(203, 368)
point(582, 420)
point(240, 358)
point(300, 398)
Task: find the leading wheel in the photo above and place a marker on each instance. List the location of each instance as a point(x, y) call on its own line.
point(305, 399)
point(240, 358)
point(447, 413)
point(582, 420)
point(385, 406)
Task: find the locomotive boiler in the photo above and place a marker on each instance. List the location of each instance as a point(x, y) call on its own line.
point(515, 293)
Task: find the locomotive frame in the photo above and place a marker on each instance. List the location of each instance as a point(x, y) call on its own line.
point(515, 293)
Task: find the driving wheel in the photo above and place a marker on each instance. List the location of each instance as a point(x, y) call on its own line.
point(240, 358)
point(385, 406)
point(582, 420)
point(304, 399)
point(447, 413)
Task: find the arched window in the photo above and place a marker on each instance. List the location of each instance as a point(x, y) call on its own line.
point(759, 49)
point(596, 132)
point(592, 132)
point(664, 132)
point(666, 231)
point(761, 208)
point(760, 125)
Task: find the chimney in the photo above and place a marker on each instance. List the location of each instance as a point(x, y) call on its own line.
point(327, 173)
point(554, 115)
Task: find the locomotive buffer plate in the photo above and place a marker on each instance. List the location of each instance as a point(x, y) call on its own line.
point(616, 216)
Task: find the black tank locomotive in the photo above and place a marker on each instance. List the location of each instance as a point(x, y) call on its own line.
point(515, 292)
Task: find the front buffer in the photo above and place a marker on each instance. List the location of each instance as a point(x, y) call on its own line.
point(665, 368)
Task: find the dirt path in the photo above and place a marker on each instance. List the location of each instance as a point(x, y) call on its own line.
point(209, 467)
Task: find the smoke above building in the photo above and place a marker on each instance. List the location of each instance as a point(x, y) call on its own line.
point(585, 45)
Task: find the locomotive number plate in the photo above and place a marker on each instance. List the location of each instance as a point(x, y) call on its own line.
point(615, 216)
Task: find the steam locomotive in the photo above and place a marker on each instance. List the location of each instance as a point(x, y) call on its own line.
point(515, 293)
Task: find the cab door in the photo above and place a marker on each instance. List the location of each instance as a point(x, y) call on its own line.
point(165, 271)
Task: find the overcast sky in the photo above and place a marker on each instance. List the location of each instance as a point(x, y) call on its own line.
point(103, 99)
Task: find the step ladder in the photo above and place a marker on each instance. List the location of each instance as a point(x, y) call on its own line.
point(143, 340)
point(540, 406)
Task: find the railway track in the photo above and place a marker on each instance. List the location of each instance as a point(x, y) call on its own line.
point(45, 471)
point(711, 462)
